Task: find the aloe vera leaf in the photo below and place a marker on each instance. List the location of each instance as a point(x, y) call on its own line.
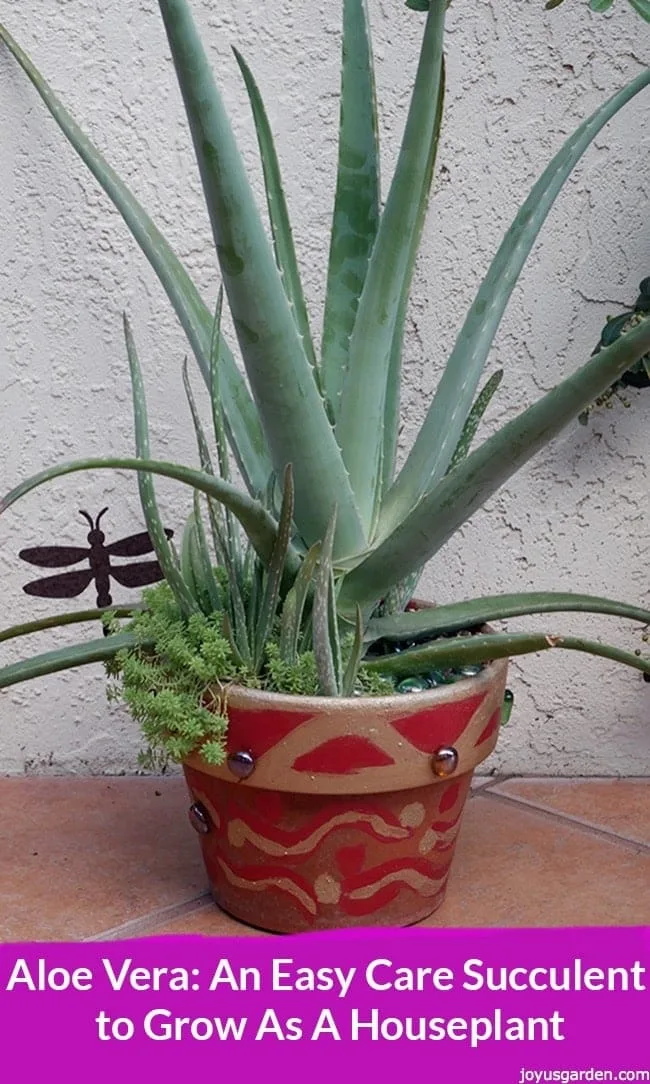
point(67, 658)
point(204, 572)
point(281, 378)
point(334, 633)
point(285, 253)
point(76, 617)
point(256, 590)
point(442, 427)
point(260, 527)
point(355, 657)
point(452, 617)
point(244, 428)
point(235, 602)
point(393, 385)
point(356, 203)
point(399, 595)
point(442, 511)
point(205, 459)
point(168, 565)
point(294, 605)
point(474, 418)
point(187, 564)
point(360, 423)
point(483, 648)
point(227, 629)
point(216, 348)
point(642, 7)
point(321, 626)
point(275, 570)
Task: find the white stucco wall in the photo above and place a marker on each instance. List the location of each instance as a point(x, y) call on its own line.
point(519, 80)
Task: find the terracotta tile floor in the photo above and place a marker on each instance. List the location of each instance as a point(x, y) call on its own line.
point(102, 858)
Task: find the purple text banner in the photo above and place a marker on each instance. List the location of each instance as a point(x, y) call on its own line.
point(504, 1006)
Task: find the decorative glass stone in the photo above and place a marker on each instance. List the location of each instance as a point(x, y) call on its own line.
point(470, 670)
point(412, 685)
point(444, 677)
point(444, 761)
point(199, 818)
point(241, 764)
point(506, 710)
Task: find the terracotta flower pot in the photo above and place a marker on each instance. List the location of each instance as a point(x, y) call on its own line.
point(341, 812)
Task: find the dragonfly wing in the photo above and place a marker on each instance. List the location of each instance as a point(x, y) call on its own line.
point(65, 585)
point(133, 546)
point(54, 556)
point(138, 574)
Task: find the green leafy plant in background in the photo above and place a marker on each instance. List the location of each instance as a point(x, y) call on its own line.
point(303, 580)
point(642, 7)
point(638, 376)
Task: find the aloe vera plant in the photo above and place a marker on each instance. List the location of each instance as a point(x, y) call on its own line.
point(325, 547)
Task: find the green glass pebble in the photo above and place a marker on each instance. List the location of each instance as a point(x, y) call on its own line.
point(438, 677)
point(412, 685)
point(506, 710)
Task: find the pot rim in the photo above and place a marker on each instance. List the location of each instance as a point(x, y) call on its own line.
point(256, 697)
point(459, 690)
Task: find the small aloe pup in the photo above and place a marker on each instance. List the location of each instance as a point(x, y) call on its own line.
point(304, 582)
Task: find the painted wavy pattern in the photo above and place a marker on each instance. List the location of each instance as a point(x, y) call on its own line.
point(363, 895)
point(272, 880)
point(240, 833)
point(411, 878)
point(375, 905)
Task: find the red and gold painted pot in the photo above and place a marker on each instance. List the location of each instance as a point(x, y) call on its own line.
point(341, 812)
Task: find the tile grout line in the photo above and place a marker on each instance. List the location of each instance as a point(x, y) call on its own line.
point(567, 818)
point(138, 926)
point(484, 782)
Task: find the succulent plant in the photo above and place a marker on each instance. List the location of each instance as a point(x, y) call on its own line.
point(325, 546)
point(638, 375)
point(642, 7)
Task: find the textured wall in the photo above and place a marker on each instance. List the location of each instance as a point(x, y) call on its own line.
point(519, 81)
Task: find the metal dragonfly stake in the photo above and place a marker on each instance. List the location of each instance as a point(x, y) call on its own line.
point(100, 568)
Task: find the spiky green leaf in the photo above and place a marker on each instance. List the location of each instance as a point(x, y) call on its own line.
point(392, 406)
point(275, 570)
point(289, 402)
point(285, 253)
point(442, 511)
point(356, 204)
point(67, 658)
point(172, 573)
point(642, 7)
point(455, 616)
point(483, 648)
point(77, 617)
point(244, 427)
point(260, 527)
point(355, 656)
point(474, 418)
point(360, 424)
point(321, 622)
point(434, 447)
point(294, 605)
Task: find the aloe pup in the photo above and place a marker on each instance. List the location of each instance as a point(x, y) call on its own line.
point(321, 554)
